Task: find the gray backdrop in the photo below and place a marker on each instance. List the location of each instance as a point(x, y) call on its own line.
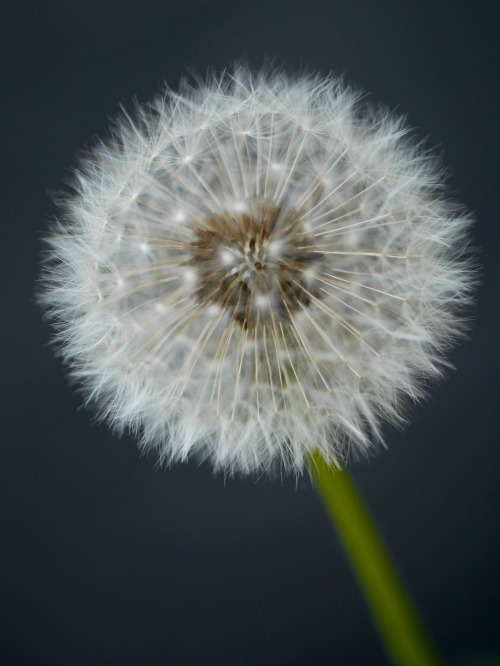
point(107, 560)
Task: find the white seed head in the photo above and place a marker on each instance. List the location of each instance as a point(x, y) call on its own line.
point(257, 267)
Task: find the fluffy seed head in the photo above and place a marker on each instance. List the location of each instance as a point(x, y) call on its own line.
point(254, 268)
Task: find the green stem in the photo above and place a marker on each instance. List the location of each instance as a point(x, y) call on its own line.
point(396, 618)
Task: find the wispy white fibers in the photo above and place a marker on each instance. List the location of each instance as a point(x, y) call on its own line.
point(256, 267)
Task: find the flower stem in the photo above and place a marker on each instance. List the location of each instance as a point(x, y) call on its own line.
point(397, 620)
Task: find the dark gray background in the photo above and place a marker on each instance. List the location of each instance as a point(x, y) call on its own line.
point(107, 560)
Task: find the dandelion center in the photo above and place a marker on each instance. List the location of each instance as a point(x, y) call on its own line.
point(255, 264)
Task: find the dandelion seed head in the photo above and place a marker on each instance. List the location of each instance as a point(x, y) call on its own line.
point(254, 268)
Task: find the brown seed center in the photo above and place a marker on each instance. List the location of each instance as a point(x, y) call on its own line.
point(256, 265)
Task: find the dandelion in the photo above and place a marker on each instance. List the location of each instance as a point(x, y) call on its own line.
point(256, 268)
point(259, 271)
